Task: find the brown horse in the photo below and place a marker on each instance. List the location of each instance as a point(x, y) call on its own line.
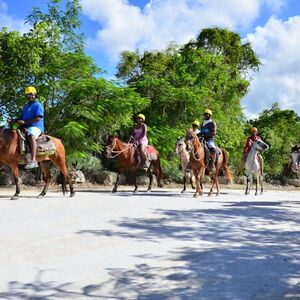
point(197, 159)
point(220, 164)
point(10, 155)
point(126, 155)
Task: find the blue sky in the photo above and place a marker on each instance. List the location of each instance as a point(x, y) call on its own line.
point(272, 27)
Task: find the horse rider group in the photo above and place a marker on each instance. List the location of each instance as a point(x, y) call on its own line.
point(32, 122)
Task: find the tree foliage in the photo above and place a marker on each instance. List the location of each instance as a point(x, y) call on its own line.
point(184, 80)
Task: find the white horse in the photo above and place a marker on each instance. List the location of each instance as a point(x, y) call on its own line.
point(184, 156)
point(254, 167)
point(295, 159)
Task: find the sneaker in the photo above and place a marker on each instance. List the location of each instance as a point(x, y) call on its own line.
point(31, 164)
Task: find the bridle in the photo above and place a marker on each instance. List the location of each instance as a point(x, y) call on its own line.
point(193, 148)
point(111, 150)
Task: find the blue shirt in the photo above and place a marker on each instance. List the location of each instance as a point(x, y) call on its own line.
point(32, 110)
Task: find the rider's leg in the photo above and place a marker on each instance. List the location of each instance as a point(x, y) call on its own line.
point(32, 134)
point(212, 155)
point(33, 146)
point(212, 159)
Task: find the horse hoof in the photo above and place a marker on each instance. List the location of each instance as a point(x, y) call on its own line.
point(148, 191)
point(114, 191)
point(72, 195)
point(14, 197)
point(40, 196)
point(196, 195)
point(182, 191)
point(209, 194)
point(135, 191)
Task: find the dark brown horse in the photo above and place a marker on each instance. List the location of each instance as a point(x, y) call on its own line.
point(10, 155)
point(126, 155)
point(197, 159)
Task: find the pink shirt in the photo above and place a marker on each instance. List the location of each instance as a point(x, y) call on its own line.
point(139, 136)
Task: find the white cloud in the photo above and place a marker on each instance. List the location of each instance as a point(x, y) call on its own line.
point(11, 22)
point(123, 26)
point(277, 44)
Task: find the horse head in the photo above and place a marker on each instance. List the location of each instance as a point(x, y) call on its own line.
point(260, 145)
point(295, 158)
point(180, 146)
point(110, 145)
point(189, 139)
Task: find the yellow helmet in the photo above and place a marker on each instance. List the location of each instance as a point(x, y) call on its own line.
point(196, 123)
point(30, 90)
point(254, 129)
point(208, 111)
point(141, 116)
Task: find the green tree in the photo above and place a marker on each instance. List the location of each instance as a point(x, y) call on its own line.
point(79, 106)
point(184, 80)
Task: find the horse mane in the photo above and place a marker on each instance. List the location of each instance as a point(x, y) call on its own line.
point(295, 148)
point(113, 136)
point(6, 140)
point(5, 136)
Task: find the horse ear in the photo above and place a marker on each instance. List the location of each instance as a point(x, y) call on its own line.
point(179, 138)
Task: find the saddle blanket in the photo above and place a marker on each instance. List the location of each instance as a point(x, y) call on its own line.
point(45, 146)
point(151, 152)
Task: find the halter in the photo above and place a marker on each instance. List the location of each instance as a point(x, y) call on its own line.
point(118, 152)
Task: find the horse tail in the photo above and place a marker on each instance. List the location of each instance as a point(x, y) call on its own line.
point(158, 171)
point(227, 171)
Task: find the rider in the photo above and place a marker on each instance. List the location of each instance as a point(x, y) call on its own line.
point(208, 131)
point(32, 119)
point(195, 127)
point(140, 136)
point(252, 138)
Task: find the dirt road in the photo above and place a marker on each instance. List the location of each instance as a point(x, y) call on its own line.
point(159, 245)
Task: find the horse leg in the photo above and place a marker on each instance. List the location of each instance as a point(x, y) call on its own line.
point(184, 183)
point(115, 189)
point(191, 180)
point(261, 183)
point(256, 184)
point(150, 180)
point(17, 180)
point(46, 177)
point(198, 178)
point(135, 183)
point(212, 185)
point(247, 191)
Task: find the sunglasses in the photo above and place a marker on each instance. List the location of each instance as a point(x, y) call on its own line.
point(28, 95)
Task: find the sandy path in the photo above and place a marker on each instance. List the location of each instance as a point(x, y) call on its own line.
point(160, 245)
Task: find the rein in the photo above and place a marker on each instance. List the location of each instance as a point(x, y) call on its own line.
point(118, 152)
point(195, 153)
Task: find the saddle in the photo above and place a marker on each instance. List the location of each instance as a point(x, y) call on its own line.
point(207, 152)
point(45, 146)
